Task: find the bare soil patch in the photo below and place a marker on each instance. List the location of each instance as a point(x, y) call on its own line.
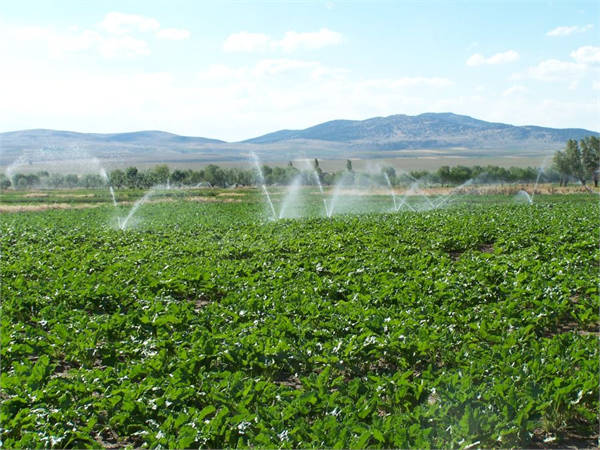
point(37, 208)
point(213, 200)
point(231, 194)
point(37, 195)
point(291, 381)
point(569, 439)
point(151, 202)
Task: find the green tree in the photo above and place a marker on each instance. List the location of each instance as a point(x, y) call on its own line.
point(160, 174)
point(349, 165)
point(590, 153)
point(570, 161)
point(460, 174)
point(443, 174)
point(91, 180)
point(56, 180)
point(214, 175)
point(4, 182)
point(561, 166)
point(131, 177)
point(117, 178)
point(277, 175)
point(418, 174)
point(575, 160)
point(179, 176)
point(71, 180)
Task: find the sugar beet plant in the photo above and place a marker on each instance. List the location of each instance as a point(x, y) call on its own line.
point(207, 326)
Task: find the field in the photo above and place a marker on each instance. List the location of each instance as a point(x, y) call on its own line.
point(401, 161)
point(205, 324)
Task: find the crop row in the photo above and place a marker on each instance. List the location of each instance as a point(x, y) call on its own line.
point(207, 326)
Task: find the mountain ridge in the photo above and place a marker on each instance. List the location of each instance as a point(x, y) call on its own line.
point(376, 137)
point(404, 128)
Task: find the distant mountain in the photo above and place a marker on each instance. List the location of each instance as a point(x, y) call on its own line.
point(50, 138)
point(390, 137)
point(428, 131)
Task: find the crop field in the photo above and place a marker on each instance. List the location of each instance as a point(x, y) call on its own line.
point(205, 324)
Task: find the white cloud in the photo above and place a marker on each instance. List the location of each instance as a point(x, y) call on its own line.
point(220, 72)
point(316, 71)
point(409, 82)
point(124, 47)
point(30, 33)
point(596, 85)
point(586, 55)
point(120, 23)
point(274, 66)
point(113, 40)
point(457, 104)
point(88, 41)
point(308, 41)
point(499, 58)
point(246, 42)
point(565, 31)
point(290, 97)
point(292, 41)
point(476, 60)
point(173, 34)
point(552, 70)
point(515, 90)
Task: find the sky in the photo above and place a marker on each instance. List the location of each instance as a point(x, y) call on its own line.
point(237, 70)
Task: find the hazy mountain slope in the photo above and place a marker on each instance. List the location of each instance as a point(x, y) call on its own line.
point(393, 136)
point(32, 139)
point(430, 130)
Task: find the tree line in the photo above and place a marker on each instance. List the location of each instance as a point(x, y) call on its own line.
point(578, 161)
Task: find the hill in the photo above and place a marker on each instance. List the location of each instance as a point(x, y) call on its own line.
point(428, 131)
point(380, 137)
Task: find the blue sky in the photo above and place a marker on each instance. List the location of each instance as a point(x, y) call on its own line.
point(236, 70)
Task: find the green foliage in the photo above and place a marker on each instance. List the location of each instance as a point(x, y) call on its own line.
point(579, 160)
point(590, 154)
point(207, 327)
point(4, 182)
point(216, 176)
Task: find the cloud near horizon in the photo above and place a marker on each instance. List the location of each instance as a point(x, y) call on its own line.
point(515, 91)
point(557, 70)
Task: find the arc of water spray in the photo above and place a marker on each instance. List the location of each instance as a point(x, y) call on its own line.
point(291, 198)
point(261, 179)
point(537, 180)
point(403, 202)
point(104, 175)
point(136, 206)
point(112, 193)
point(417, 190)
point(446, 198)
point(316, 175)
point(387, 179)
